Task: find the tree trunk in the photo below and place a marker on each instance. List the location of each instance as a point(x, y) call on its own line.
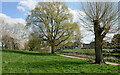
point(98, 49)
point(98, 44)
point(2, 45)
point(52, 48)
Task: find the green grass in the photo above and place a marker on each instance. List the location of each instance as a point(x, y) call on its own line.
point(113, 60)
point(92, 51)
point(112, 53)
point(89, 51)
point(79, 50)
point(20, 61)
point(93, 58)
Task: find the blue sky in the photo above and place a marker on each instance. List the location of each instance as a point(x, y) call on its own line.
point(74, 5)
point(10, 9)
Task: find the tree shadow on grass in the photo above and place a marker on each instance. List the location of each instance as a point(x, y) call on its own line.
point(28, 52)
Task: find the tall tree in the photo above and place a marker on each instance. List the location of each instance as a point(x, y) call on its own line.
point(101, 18)
point(53, 22)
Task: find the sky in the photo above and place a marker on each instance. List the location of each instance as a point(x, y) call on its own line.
point(17, 10)
point(12, 9)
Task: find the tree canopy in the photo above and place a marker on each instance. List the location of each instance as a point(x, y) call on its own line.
point(53, 22)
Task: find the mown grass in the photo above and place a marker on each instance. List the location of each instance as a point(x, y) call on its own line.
point(20, 61)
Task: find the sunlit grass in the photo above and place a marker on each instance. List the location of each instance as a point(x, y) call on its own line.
point(20, 61)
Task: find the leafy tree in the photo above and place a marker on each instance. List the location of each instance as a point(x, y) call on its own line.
point(74, 40)
point(101, 18)
point(35, 41)
point(92, 44)
point(77, 39)
point(115, 43)
point(53, 22)
point(106, 44)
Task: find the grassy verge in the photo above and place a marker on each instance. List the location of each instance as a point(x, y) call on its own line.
point(20, 61)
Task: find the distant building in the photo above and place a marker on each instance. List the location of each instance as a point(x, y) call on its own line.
point(85, 46)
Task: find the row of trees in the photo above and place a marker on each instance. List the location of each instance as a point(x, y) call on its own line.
point(114, 44)
point(53, 23)
point(50, 24)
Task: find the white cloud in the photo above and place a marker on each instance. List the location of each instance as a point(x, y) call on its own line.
point(13, 27)
point(77, 14)
point(80, 14)
point(87, 36)
point(11, 21)
point(21, 8)
point(27, 4)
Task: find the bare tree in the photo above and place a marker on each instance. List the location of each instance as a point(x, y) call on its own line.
point(101, 18)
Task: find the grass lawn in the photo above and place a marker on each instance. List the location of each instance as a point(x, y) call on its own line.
point(89, 51)
point(79, 50)
point(92, 51)
point(92, 58)
point(20, 61)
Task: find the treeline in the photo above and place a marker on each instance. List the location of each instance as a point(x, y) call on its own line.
point(114, 44)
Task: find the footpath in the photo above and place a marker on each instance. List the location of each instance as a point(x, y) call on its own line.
point(86, 58)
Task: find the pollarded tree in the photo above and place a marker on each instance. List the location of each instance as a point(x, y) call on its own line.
point(53, 21)
point(101, 18)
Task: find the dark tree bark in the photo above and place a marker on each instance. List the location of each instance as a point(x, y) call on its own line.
point(98, 43)
point(2, 45)
point(52, 49)
point(52, 46)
